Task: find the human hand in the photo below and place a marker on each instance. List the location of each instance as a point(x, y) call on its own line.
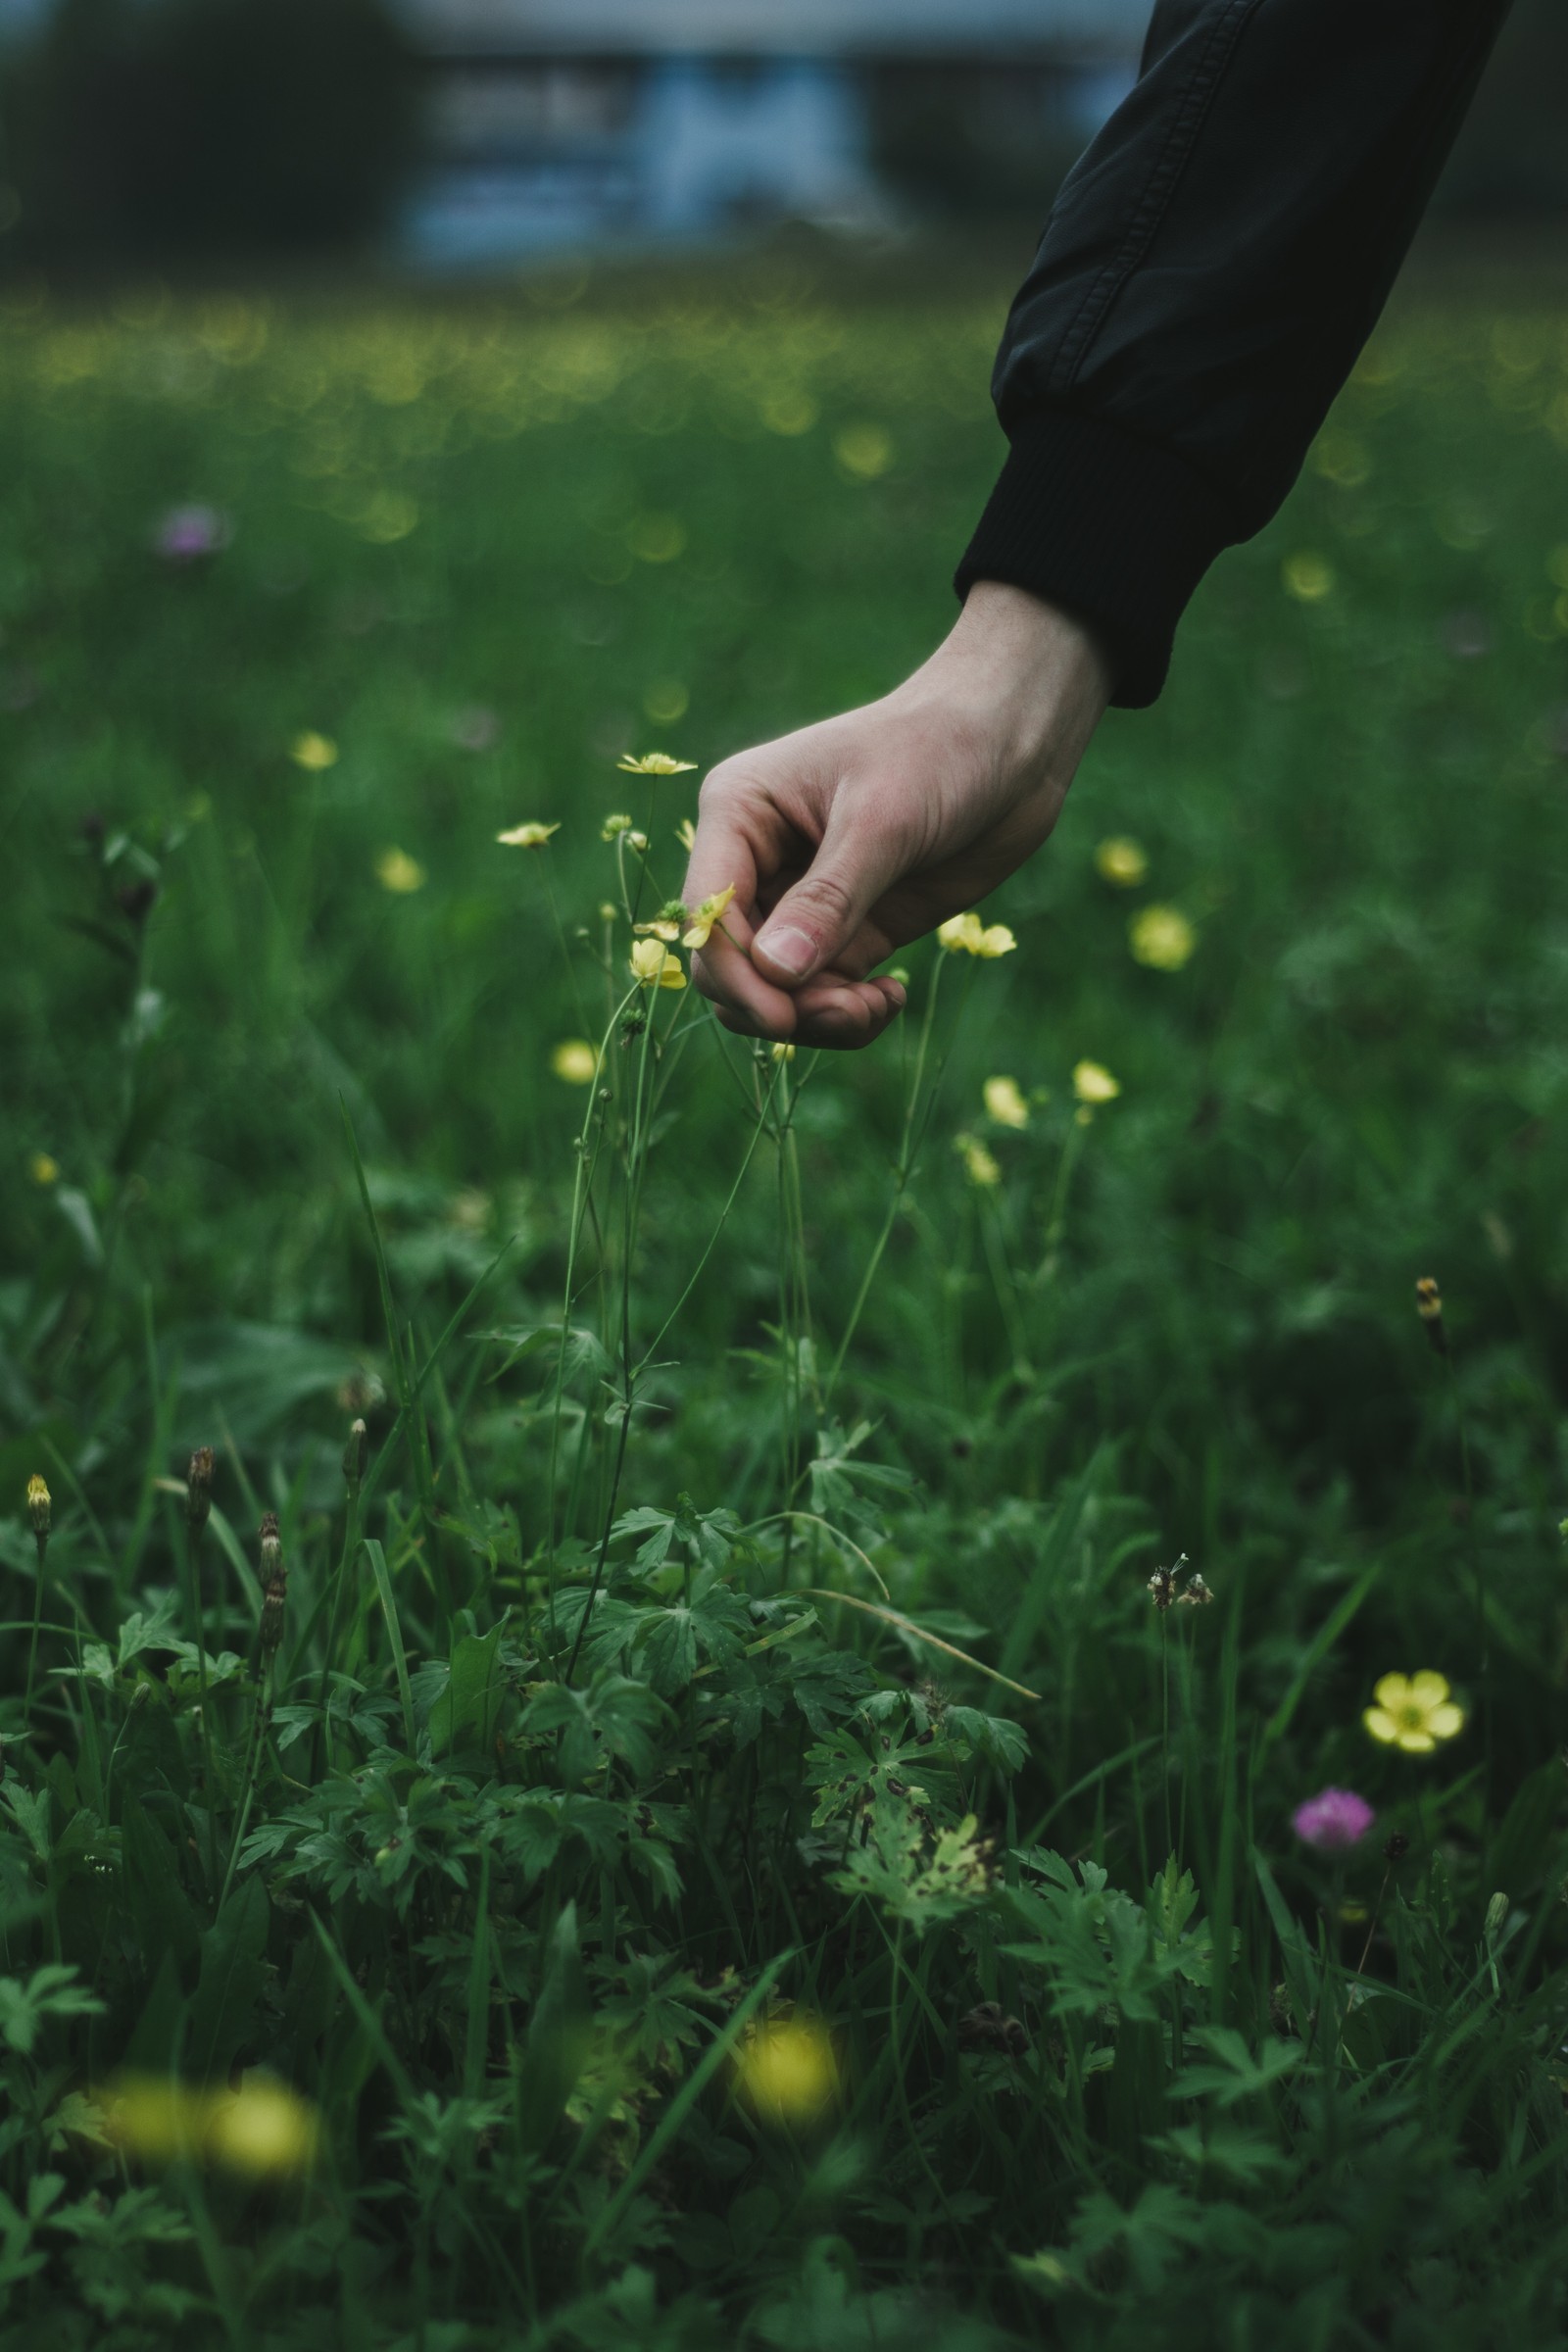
point(848, 838)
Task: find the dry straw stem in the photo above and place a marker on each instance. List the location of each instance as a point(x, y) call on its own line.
point(907, 1625)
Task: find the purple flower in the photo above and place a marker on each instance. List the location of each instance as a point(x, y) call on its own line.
point(187, 533)
point(1332, 1819)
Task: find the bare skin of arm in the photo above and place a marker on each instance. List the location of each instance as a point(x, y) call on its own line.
point(849, 838)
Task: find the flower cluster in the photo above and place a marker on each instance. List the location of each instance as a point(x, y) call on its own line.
point(965, 934)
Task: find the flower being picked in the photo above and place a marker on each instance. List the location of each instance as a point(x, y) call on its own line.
point(1161, 938)
point(1121, 862)
point(654, 966)
point(711, 912)
point(531, 836)
point(654, 764)
point(965, 934)
point(1005, 1102)
point(1334, 1819)
point(1413, 1712)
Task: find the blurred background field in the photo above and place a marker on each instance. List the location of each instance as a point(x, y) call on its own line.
point(321, 565)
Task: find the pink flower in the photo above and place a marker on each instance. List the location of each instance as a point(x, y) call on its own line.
point(1332, 1819)
point(186, 533)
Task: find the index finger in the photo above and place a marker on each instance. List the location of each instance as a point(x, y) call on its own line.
point(725, 854)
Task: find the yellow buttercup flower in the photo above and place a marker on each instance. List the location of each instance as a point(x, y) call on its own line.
point(43, 1168)
point(614, 823)
point(1121, 862)
point(396, 870)
point(576, 1061)
point(686, 835)
point(711, 912)
point(263, 2128)
point(665, 925)
point(312, 751)
point(788, 2070)
point(1161, 937)
point(1413, 1712)
point(1093, 1083)
point(531, 836)
point(654, 764)
point(783, 1053)
point(653, 964)
point(966, 934)
point(40, 1505)
point(1005, 1103)
point(979, 1165)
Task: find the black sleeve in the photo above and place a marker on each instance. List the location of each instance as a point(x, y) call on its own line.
point(1212, 267)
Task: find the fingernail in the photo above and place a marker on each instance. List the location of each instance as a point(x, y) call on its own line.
point(898, 996)
point(792, 951)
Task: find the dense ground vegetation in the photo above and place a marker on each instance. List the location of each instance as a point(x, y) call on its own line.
point(692, 1826)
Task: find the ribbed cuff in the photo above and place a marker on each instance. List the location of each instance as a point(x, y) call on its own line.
point(1115, 530)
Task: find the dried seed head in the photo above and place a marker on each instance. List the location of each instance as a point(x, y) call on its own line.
point(1429, 1307)
point(1198, 1594)
point(274, 1587)
point(355, 1452)
point(38, 1507)
point(1163, 1589)
point(199, 1488)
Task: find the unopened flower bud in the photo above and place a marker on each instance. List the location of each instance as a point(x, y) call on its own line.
point(1429, 1307)
point(38, 1508)
point(274, 1587)
point(1496, 1915)
point(199, 1488)
point(355, 1452)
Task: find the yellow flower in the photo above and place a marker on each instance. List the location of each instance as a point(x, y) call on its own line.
point(788, 2070)
point(665, 924)
point(531, 836)
point(312, 751)
point(614, 823)
point(783, 1053)
point(1092, 1083)
point(654, 764)
point(966, 933)
point(1307, 577)
point(638, 841)
point(711, 912)
point(40, 1503)
point(607, 910)
point(1122, 862)
point(396, 870)
point(1005, 1103)
point(653, 964)
point(1413, 1712)
point(43, 1169)
point(1161, 937)
point(576, 1061)
point(863, 449)
point(686, 835)
point(265, 2129)
point(979, 1165)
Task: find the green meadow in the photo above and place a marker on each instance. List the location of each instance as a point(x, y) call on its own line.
point(712, 1756)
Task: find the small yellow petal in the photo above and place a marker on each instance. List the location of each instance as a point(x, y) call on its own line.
point(783, 1053)
point(1426, 1688)
point(1417, 1743)
point(312, 751)
point(1445, 1722)
point(397, 871)
point(996, 939)
point(1393, 1692)
point(1005, 1102)
point(531, 836)
point(1381, 1724)
point(654, 764)
point(960, 932)
point(1091, 1082)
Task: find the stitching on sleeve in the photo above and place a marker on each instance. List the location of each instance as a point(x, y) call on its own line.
point(1187, 120)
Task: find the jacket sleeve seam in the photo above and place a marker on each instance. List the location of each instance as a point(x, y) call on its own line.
point(1153, 204)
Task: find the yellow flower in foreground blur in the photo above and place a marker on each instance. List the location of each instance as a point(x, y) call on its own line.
point(686, 835)
point(1005, 1103)
point(43, 1169)
point(1093, 1083)
point(1307, 577)
point(1161, 937)
point(966, 933)
point(263, 2128)
point(979, 1165)
point(654, 764)
point(312, 751)
point(1413, 1711)
point(576, 1061)
point(711, 912)
point(531, 836)
point(396, 870)
point(1122, 862)
point(783, 1053)
point(654, 966)
point(787, 2070)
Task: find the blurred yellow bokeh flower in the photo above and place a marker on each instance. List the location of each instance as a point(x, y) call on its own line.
point(686, 835)
point(1161, 937)
point(312, 751)
point(654, 966)
point(615, 822)
point(965, 934)
point(1005, 1102)
point(711, 912)
point(576, 1061)
point(863, 451)
point(979, 1165)
point(263, 2128)
point(1307, 577)
point(396, 870)
point(654, 764)
point(1121, 861)
point(531, 836)
point(1093, 1083)
point(783, 1052)
point(1413, 1712)
point(788, 2070)
point(43, 1168)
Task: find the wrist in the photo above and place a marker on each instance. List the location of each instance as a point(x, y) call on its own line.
point(1039, 677)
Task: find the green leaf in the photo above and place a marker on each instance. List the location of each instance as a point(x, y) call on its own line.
point(557, 2045)
point(230, 1983)
point(467, 1712)
point(159, 1908)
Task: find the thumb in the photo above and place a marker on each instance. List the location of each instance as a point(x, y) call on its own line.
point(814, 921)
